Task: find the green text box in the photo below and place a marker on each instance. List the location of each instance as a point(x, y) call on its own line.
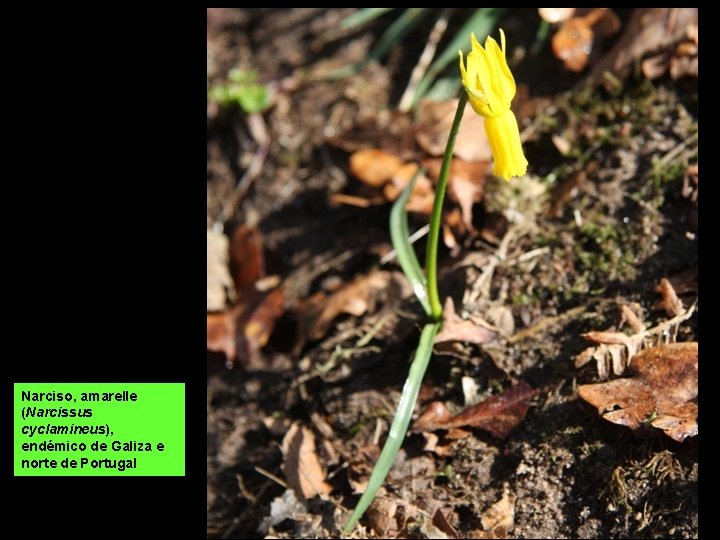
point(54, 420)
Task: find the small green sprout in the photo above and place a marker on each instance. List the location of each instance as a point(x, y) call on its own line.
point(243, 90)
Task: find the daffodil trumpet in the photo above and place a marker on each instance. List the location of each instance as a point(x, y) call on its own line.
point(490, 87)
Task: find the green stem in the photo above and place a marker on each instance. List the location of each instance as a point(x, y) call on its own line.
point(436, 218)
point(400, 423)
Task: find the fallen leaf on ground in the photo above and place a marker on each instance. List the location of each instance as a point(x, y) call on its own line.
point(260, 322)
point(616, 349)
point(680, 59)
point(433, 122)
point(661, 393)
point(499, 519)
point(222, 333)
point(302, 467)
point(648, 30)
point(466, 183)
point(247, 263)
point(573, 43)
point(355, 298)
point(422, 196)
point(387, 516)
point(441, 522)
point(373, 166)
point(219, 282)
point(457, 329)
point(242, 331)
point(498, 414)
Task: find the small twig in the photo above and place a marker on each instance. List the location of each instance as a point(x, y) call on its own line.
point(482, 285)
point(258, 131)
point(425, 58)
point(414, 237)
point(672, 154)
point(382, 321)
point(527, 255)
point(271, 476)
point(662, 327)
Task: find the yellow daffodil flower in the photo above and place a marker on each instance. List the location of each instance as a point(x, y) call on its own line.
point(491, 88)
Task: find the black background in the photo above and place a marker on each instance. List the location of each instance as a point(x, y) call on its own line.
point(105, 241)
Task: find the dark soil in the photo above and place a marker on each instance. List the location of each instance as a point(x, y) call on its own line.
point(571, 253)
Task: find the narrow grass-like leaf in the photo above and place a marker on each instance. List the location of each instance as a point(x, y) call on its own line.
point(363, 16)
point(391, 37)
point(400, 423)
point(400, 235)
point(481, 23)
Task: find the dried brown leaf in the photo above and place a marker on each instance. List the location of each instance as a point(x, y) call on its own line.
point(441, 522)
point(222, 333)
point(260, 322)
point(433, 416)
point(648, 31)
point(247, 263)
point(422, 196)
point(499, 519)
point(381, 516)
point(355, 298)
point(219, 282)
point(457, 329)
point(373, 166)
point(241, 332)
point(561, 143)
point(573, 42)
point(466, 183)
point(433, 122)
point(302, 467)
point(661, 393)
point(498, 414)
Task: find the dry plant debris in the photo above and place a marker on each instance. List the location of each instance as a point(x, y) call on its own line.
point(575, 40)
point(302, 466)
point(662, 392)
point(648, 31)
point(354, 298)
point(614, 349)
point(240, 331)
point(219, 282)
point(455, 328)
point(386, 173)
point(497, 414)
